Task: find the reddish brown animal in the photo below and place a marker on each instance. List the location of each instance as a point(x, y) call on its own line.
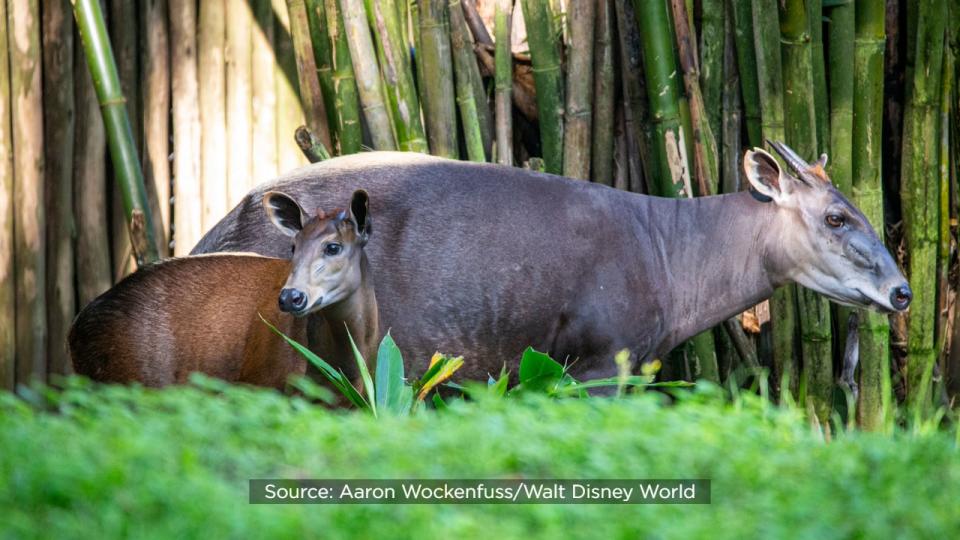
point(202, 313)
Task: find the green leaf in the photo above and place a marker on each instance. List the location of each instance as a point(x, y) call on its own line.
point(393, 392)
point(338, 379)
point(439, 403)
point(445, 367)
point(539, 372)
point(364, 373)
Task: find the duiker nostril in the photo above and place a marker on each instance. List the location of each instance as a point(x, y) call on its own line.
point(901, 296)
point(292, 300)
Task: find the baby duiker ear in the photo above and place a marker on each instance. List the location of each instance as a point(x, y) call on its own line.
point(284, 212)
point(360, 214)
point(765, 175)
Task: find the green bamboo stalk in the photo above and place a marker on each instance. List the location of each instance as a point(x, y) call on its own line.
point(873, 402)
point(8, 269)
point(289, 114)
point(742, 15)
point(437, 90)
point(545, 54)
point(841, 114)
point(604, 93)
point(673, 177)
point(117, 124)
point(310, 145)
point(770, 90)
point(503, 80)
point(263, 95)
point(347, 103)
point(711, 60)
point(920, 195)
point(58, 128)
point(398, 77)
point(310, 92)
point(464, 63)
point(820, 106)
point(801, 133)
point(367, 74)
point(732, 113)
point(320, 40)
point(943, 254)
point(579, 108)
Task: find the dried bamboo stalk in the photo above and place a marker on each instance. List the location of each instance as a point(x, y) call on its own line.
point(310, 93)
point(188, 206)
point(8, 289)
point(604, 92)
point(239, 147)
point(211, 62)
point(579, 92)
point(156, 118)
point(263, 94)
point(290, 114)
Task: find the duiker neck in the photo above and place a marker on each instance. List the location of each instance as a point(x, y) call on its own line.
point(716, 255)
point(358, 314)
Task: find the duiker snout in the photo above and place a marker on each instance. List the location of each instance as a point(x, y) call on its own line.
point(292, 300)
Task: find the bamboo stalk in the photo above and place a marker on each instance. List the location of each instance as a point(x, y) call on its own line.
point(240, 101)
point(463, 65)
point(347, 103)
point(320, 41)
point(310, 145)
point(742, 14)
point(704, 144)
point(398, 77)
point(58, 131)
point(477, 28)
point(920, 196)
point(873, 402)
point(604, 92)
point(801, 133)
point(29, 214)
point(437, 91)
point(943, 254)
point(155, 57)
point(123, 30)
point(770, 91)
point(641, 158)
point(732, 113)
point(579, 108)
point(310, 93)
point(503, 81)
point(673, 177)
point(290, 114)
point(545, 54)
point(821, 110)
point(711, 61)
point(211, 43)
point(367, 74)
point(90, 187)
point(480, 97)
point(188, 205)
point(8, 269)
point(263, 95)
point(840, 134)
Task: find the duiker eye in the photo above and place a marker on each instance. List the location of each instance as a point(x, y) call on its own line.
point(834, 220)
point(332, 249)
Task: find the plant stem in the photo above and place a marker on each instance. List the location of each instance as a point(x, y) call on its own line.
point(548, 77)
point(503, 81)
point(579, 109)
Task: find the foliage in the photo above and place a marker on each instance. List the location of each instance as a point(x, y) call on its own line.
point(128, 461)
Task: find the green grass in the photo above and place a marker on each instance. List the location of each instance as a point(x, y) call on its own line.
point(130, 462)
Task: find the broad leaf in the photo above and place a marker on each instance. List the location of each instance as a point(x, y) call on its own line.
point(539, 372)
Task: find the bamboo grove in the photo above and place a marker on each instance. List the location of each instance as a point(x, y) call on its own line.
point(652, 96)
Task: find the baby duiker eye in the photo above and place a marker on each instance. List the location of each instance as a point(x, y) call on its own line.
point(332, 249)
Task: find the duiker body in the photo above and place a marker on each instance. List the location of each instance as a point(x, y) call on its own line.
point(484, 260)
point(202, 313)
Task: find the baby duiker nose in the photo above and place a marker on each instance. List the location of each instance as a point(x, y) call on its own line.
point(900, 297)
point(292, 300)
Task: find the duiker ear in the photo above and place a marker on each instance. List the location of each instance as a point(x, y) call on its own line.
point(766, 176)
point(284, 212)
point(360, 214)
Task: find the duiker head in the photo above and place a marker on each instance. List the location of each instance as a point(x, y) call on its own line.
point(827, 244)
point(327, 251)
